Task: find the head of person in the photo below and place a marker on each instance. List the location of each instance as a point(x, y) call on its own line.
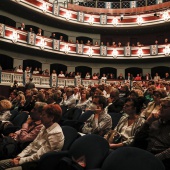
point(69, 91)
point(51, 113)
point(114, 95)
point(165, 109)
point(35, 113)
point(133, 94)
point(84, 94)
point(158, 94)
point(100, 101)
point(151, 89)
point(5, 105)
point(20, 98)
point(13, 95)
point(131, 106)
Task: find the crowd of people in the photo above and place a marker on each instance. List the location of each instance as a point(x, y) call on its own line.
point(143, 110)
point(40, 32)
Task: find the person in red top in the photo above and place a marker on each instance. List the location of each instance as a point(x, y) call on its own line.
point(138, 77)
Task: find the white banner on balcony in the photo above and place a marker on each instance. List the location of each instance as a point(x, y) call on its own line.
point(103, 50)
point(133, 4)
point(127, 51)
point(31, 38)
point(53, 80)
point(56, 9)
point(2, 30)
point(108, 5)
point(103, 19)
point(80, 16)
point(154, 49)
point(79, 48)
point(56, 44)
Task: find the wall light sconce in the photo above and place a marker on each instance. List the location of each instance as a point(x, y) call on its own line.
point(115, 21)
point(114, 53)
point(167, 50)
point(91, 20)
point(140, 53)
point(90, 52)
point(67, 15)
point(66, 48)
point(139, 20)
point(44, 7)
point(165, 16)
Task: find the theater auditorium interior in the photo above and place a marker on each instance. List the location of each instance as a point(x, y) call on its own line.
point(85, 44)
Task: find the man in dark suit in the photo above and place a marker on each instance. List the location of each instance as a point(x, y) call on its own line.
point(22, 27)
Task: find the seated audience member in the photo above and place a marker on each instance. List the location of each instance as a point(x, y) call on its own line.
point(19, 69)
point(156, 42)
point(46, 72)
point(76, 93)
point(39, 32)
point(148, 95)
point(115, 104)
point(30, 128)
point(12, 99)
point(114, 44)
point(68, 100)
point(124, 92)
point(20, 102)
point(154, 106)
point(104, 77)
point(166, 41)
point(36, 71)
point(50, 138)
point(53, 36)
point(22, 27)
point(120, 77)
point(128, 124)
point(61, 74)
point(5, 106)
point(111, 76)
point(167, 77)
point(156, 77)
point(138, 77)
point(87, 75)
point(100, 122)
point(88, 42)
point(96, 44)
point(154, 134)
point(95, 77)
point(31, 30)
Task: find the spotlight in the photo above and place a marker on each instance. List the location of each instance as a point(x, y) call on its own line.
point(121, 17)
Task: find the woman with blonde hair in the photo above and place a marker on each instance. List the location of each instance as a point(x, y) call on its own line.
point(5, 106)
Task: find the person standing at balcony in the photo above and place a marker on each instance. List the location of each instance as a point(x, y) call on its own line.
point(31, 30)
point(53, 36)
point(138, 78)
point(87, 75)
point(61, 38)
point(167, 77)
point(19, 69)
point(61, 74)
point(120, 77)
point(156, 77)
point(22, 27)
point(166, 41)
point(39, 32)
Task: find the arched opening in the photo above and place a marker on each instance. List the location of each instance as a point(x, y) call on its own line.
point(58, 34)
point(133, 71)
point(58, 68)
point(161, 70)
point(83, 70)
point(6, 62)
point(83, 40)
point(108, 71)
point(34, 28)
point(32, 64)
point(7, 21)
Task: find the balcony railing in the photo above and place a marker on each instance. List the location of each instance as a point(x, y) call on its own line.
point(30, 40)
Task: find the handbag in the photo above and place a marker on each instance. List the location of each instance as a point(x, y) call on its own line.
point(113, 136)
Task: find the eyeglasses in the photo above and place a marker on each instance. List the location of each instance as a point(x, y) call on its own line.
point(164, 107)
